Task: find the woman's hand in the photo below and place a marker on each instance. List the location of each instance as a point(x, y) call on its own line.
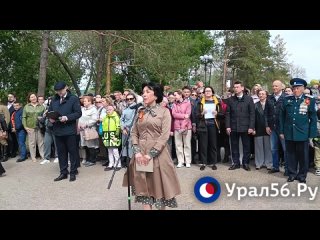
point(139, 158)
point(146, 159)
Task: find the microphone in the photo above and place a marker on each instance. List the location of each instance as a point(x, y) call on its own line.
point(138, 105)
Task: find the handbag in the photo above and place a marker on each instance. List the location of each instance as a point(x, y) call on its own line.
point(90, 134)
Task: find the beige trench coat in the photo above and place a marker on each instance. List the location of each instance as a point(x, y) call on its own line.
point(153, 132)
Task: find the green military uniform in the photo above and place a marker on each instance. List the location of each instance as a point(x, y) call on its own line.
point(299, 118)
point(298, 123)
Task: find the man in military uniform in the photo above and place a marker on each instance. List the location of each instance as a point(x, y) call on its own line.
point(298, 123)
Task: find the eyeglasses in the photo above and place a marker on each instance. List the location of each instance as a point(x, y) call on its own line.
point(193, 94)
point(130, 99)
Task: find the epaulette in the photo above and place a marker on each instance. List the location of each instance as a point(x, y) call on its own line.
point(287, 96)
point(308, 95)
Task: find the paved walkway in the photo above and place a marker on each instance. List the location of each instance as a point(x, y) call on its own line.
point(29, 185)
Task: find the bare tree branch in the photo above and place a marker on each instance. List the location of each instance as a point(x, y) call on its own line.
point(126, 39)
point(65, 66)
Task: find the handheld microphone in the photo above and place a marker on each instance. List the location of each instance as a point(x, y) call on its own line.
point(138, 105)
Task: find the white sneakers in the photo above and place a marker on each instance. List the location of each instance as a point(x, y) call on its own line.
point(44, 161)
point(180, 165)
point(56, 160)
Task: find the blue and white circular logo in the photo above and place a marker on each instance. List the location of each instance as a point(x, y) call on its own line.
point(207, 189)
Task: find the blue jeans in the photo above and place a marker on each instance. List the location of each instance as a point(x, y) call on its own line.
point(48, 139)
point(275, 141)
point(21, 136)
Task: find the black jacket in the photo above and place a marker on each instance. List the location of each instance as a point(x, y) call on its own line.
point(273, 111)
point(200, 120)
point(240, 115)
point(261, 119)
point(71, 108)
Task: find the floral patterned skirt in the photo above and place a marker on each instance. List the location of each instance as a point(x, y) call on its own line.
point(158, 203)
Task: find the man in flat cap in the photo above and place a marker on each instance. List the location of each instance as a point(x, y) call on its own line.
point(298, 124)
point(65, 129)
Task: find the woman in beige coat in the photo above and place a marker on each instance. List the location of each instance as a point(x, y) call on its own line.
point(150, 135)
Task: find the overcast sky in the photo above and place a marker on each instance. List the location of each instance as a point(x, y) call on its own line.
point(303, 47)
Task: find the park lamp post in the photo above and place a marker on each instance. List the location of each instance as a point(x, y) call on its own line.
point(206, 59)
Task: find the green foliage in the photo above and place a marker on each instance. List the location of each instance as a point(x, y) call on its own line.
point(20, 59)
point(250, 56)
point(165, 56)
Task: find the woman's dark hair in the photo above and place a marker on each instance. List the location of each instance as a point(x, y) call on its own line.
point(157, 88)
point(309, 90)
point(262, 90)
point(112, 97)
point(210, 88)
point(29, 95)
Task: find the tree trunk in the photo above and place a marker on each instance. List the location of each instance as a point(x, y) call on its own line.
point(88, 84)
point(43, 63)
point(65, 66)
point(233, 76)
point(109, 63)
point(101, 61)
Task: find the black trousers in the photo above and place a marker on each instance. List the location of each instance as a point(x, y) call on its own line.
point(208, 145)
point(194, 153)
point(13, 145)
point(173, 149)
point(223, 141)
point(298, 152)
point(2, 169)
point(234, 138)
point(67, 145)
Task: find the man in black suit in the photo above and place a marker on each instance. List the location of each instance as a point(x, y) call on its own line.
point(240, 121)
point(65, 129)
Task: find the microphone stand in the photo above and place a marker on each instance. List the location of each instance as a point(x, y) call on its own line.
point(126, 143)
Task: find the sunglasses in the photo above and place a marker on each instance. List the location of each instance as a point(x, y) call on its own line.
point(193, 94)
point(130, 99)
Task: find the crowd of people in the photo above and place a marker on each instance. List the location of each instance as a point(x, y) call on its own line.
point(183, 127)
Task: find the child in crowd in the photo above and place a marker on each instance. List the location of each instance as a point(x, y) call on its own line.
point(110, 131)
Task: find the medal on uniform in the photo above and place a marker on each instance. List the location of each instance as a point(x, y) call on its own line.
point(304, 106)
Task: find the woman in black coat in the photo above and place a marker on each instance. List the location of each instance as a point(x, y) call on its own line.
point(263, 156)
